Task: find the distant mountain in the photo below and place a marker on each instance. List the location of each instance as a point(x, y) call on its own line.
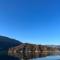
point(54, 46)
point(6, 42)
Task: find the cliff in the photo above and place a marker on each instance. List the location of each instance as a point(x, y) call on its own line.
point(31, 50)
point(15, 48)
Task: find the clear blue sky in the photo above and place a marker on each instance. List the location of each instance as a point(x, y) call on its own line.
point(32, 21)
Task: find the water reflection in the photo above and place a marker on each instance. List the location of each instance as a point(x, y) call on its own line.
point(27, 56)
point(5, 57)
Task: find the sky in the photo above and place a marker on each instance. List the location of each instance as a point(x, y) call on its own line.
point(31, 21)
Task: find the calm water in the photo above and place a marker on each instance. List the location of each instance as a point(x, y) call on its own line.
point(48, 58)
point(30, 56)
point(8, 58)
point(56, 57)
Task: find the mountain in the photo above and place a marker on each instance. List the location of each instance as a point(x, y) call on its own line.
point(13, 47)
point(26, 50)
point(6, 42)
point(53, 46)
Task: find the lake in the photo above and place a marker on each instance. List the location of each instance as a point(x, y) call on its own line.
point(30, 56)
point(48, 58)
point(56, 57)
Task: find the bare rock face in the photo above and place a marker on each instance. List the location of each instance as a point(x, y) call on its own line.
point(15, 48)
point(30, 50)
